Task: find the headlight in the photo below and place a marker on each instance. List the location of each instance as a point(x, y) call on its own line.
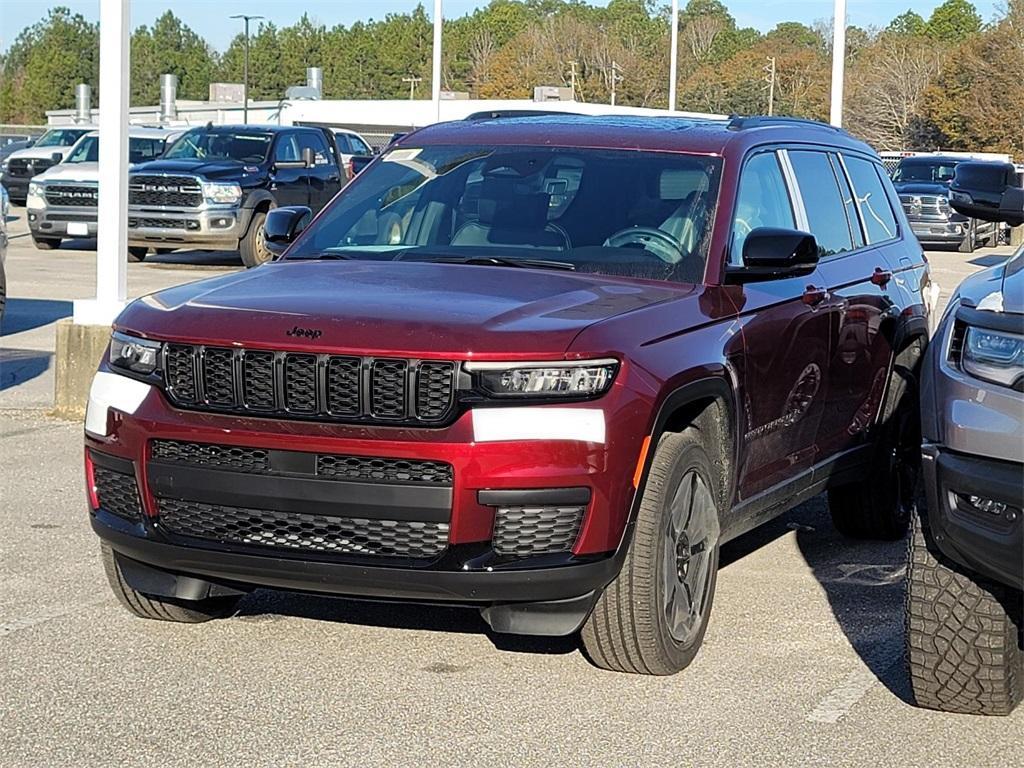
point(216, 192)
point(131, 353)
point(3, 166)
point(35, 188)
point(585, 378)
point(994, 356)
point(35, 197)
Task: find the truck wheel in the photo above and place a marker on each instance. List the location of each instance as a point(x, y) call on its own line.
point(962, 643)
point(651, 619)
point(881, 508)
point(159, 608)
point(164, 251)
point(137, 253)
point(46, 243)
point(968, 244)
point(253, 247)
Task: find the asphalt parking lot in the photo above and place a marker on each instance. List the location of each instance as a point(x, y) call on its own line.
point(801, 665)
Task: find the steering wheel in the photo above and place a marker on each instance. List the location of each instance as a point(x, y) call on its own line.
point(741, 227)
point(655, 241)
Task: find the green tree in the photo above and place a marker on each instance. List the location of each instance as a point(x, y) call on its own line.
point(45, 63)
point(953, 21)
point(907, 23)
point(170, 47)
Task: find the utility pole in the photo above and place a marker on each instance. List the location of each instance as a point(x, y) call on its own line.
point(572, 78)
point(838, 61)
point(616, 79)
point(673, 57)
point(435, 69)
point(245, 66)
point(769, 77)
point(411, 80)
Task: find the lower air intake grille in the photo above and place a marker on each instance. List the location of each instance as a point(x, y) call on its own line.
point(118, 493)
point(524, 531)
point(302, 532)
point(232, 457)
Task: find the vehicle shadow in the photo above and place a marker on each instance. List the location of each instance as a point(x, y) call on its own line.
point(20, 365)
point(195, 259)
point(26, 314)
point(267, 604)
point(990, 260)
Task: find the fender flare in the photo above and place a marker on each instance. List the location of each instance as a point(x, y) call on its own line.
point(256, 197)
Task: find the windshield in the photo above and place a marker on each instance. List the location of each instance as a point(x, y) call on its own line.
point(139, 150)
point(634, 214)
point(221, 145)
point(60, 137)
point(934, 173)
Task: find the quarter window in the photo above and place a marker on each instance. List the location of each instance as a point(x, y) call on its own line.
point(762, 201)
point(826, 216)
point(872, 202)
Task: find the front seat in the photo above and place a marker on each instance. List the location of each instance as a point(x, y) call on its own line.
point(509, 219)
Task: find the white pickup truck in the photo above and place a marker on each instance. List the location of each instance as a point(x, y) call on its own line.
point(18, 168)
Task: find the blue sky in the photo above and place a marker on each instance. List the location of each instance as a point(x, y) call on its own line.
point(210, 17)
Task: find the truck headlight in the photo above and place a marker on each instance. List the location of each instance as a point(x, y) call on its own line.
point(217, 192)
point(994, 356)
point(130, 353)
point(583, 378)
point(3, 166)
point(35, 197)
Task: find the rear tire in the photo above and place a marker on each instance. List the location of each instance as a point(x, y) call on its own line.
point(963, 647)
point(137, 253)
point(652, 618)
point(252, 248)
point(46, 243)
point(969, 243)
point(881, 508)
point(159, 608)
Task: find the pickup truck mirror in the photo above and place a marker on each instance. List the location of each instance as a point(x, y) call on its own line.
point(988, 191)
point(770, 253)
point(57, 157)
point(283, 225)
point(307, 157)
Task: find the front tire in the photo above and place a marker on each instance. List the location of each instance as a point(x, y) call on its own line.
point(46, 243)
point(253, 248)
point(962, 643)
point(969, 243)
point(137, 253)
point(163, 609)
point(652, 618)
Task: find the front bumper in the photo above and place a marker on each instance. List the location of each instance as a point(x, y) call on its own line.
point(213, 228)
point(530, 593)
point(938, 230)
point(64, 221)
point(988, 543)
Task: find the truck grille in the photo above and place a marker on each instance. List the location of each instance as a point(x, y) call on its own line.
point(164, 191)
point(135, 222)
point(366, 469)
point(28, 168)
point(302, 532)
point(304, 385)
point(923, 205)
point(71, 195)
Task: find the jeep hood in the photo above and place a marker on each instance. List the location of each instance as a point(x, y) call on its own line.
point(406, 309)
point(88, 173)
point(996, 289)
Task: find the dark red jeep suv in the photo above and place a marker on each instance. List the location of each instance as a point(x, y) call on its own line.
point(544, 366)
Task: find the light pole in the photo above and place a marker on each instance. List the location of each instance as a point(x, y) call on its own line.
point(673, 57)
point(838, 61)
point(245, 66)
point(435, 69)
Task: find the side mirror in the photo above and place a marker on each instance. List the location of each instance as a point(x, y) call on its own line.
point(307, 157)
point(988, 191)
point(770, 253)
point(57, 157)
point(283, 225)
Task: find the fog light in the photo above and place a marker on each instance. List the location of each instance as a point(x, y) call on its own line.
point(222, 223)
point(191, 225)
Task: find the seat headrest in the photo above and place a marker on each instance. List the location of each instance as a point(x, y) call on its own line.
point(501, 207)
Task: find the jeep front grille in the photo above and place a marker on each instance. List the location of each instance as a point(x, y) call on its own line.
point(118, 493)
point(305, 385)
point(164, 191)
point(536, 530)
point(71, 195)
point(302, 532)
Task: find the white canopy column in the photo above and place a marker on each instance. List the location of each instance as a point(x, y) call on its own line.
point(112, 240)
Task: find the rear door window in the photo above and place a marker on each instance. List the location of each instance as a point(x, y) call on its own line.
point(762, 201)
point(872, 200)
point(826, 214)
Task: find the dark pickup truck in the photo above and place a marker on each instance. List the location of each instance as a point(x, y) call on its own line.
point(214, 186)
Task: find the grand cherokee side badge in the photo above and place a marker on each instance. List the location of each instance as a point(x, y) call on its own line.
point(308, 333)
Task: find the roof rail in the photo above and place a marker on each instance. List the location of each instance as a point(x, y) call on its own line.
point(494, 114)
point(740, 123)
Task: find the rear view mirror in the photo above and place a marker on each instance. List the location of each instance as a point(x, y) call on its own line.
point(770, 253)
point(56, 157)
point(283, 225)
point(988, 191)
point(307, 157)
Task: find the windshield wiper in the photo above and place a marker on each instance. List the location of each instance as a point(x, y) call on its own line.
point(497, 261)
point(325, 255)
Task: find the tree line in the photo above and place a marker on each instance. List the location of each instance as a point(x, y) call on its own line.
point(951, 80)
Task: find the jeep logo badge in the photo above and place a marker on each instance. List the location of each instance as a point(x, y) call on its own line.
point(308, 333)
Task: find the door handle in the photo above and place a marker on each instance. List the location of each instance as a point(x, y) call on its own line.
point(813, 295)
point(881, 276)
